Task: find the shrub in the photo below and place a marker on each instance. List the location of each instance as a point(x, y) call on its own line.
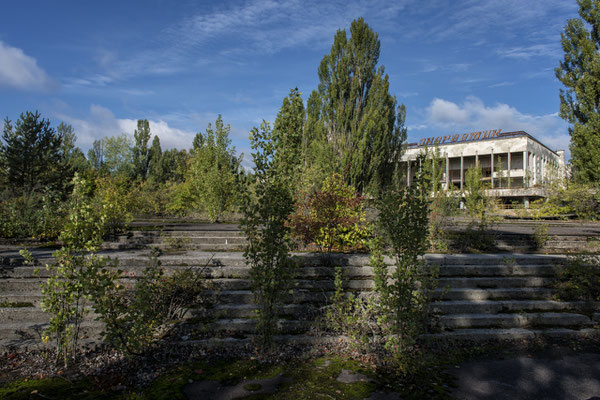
point(388, 321)
point(113, 199)
point(151, 199)
point(579, 278)
point(37, 215)
point(332, 218)
point(402, 302)
point(137, 317)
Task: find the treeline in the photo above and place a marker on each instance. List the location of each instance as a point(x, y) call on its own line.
point(127, 177)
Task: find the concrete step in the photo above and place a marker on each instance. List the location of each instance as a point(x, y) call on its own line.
point(480, 335)
point(521, 320)
point(494, 259)
point(25, 330)
point(33, 315)
point(297, 297)
point(33, 298)
point(180, 233)
point(495, 282)
point(508, 306)
point(534, 293)
point(247, 326)
point(20, 285)
point(543, 270)
point(23, 272)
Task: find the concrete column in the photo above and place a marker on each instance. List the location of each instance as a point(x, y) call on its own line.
point(447, 172)
point(508, 170)
point(492, 166)
point(461, 172)
point(535, 161)
point(526, 202)
point(525, 169)
point(545, 163)
point(408, 177)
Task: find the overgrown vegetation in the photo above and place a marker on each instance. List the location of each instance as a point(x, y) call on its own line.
point(265, 215)
point(386, 323)
point(332, 218)
point(137, 317)
point(579, 279)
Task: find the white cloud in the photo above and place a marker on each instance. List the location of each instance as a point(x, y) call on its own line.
point(474, 115)
point(20, 71)
point(101, 122)
point(444, 112)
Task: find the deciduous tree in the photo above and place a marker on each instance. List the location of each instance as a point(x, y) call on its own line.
point(141, 152)
point(213, 171)
point(353, 112)
point(579, 72)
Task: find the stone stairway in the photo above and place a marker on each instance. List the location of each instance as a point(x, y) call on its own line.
point(481, 297)
point(484, 297)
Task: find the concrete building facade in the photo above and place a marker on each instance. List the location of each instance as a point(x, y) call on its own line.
point(515, 166)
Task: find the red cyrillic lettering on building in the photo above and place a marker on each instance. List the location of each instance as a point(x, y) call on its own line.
point(474, 135)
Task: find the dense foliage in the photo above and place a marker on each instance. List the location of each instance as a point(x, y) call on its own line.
point(213, 174)
point(352, 117)
point(579, 72)
point(332, 218)
point(265, 214)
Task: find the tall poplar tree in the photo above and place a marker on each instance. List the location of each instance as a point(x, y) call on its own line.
point(579, 72)
point(287, 137)
point(353, 112)
point(155, 171)
point(141, 152)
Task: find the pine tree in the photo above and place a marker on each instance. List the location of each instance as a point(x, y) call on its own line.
point(579, 72)
point(141, 152)
point(30, 154)
point(353, 112)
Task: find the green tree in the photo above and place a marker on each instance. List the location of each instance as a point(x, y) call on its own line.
point(579, 72)
point(141, 152)
point(287, 136)
point(213, 170)
point(175, 165)
point(475, 199)
point(155, 170)
point(95, 155)
point(118, 155)
point(353, 112)
point(72, 158)
point(30, 154)
point(266, 212)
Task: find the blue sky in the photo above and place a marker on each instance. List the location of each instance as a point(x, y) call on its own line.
point(457, 65)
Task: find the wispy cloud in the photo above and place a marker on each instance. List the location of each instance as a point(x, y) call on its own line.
point(20, 71)
point(501, 84)
point(552, 50)
point(228, 34)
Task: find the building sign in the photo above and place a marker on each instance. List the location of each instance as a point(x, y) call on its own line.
point(459, 137)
